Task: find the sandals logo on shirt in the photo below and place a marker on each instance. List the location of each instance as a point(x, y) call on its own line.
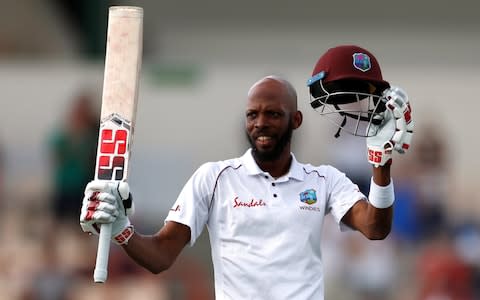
point(309, 196)
point(252, 203)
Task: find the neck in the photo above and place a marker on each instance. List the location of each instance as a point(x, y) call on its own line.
point(277, 167)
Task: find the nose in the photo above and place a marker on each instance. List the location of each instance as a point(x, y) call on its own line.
point(261, 121)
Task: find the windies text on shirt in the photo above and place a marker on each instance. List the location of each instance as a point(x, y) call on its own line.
point(313, 208)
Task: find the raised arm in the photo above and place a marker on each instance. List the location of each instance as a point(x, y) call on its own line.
point(375, 223)
point(394, 134)
point(107, 202)
point(157, 252)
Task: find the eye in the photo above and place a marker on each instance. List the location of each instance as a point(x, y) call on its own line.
point(251, 115)
point(275, 114)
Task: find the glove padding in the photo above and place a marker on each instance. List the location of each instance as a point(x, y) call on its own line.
point(394, 132)
point(107, 202)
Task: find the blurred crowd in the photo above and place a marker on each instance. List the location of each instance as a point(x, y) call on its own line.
point(46, 256)
point(430, 254)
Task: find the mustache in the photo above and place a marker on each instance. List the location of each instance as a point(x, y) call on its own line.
point(282, 140)
point(262, 132)
point(259, 134)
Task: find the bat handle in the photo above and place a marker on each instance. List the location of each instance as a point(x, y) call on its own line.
point(101, 265)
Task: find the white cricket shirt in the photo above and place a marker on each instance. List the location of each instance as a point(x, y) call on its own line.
point(264, 232)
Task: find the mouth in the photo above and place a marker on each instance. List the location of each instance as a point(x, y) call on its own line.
point(264, 141)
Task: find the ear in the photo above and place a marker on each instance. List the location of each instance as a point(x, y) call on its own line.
point(297, 119)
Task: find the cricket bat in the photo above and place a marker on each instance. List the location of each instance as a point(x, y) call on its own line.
point(123, 59)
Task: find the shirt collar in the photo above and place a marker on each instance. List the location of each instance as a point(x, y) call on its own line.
point(295, 172)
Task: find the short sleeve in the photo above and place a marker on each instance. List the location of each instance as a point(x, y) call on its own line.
point(192, 205)
point(342, 195)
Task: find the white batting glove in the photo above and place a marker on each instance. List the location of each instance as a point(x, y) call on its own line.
point(395, 131)
point(107, 202)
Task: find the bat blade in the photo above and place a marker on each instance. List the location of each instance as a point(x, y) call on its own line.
point(123, 59)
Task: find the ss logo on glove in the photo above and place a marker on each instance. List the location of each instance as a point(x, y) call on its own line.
point(374, 156)
point(395, 131)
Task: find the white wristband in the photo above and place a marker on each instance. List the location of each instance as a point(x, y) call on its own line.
point(381, 196)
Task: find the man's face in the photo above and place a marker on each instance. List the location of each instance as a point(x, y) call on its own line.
point(268, 122)
point(269, 148)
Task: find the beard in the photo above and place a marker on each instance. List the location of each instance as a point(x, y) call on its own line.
point(276, 151)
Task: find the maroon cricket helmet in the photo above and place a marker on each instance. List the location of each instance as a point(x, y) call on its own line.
point(350, 62)
point(348, 75)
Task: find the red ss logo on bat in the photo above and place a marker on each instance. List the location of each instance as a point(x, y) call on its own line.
point(113, 152)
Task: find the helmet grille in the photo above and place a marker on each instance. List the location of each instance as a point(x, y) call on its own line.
point(351, 105)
